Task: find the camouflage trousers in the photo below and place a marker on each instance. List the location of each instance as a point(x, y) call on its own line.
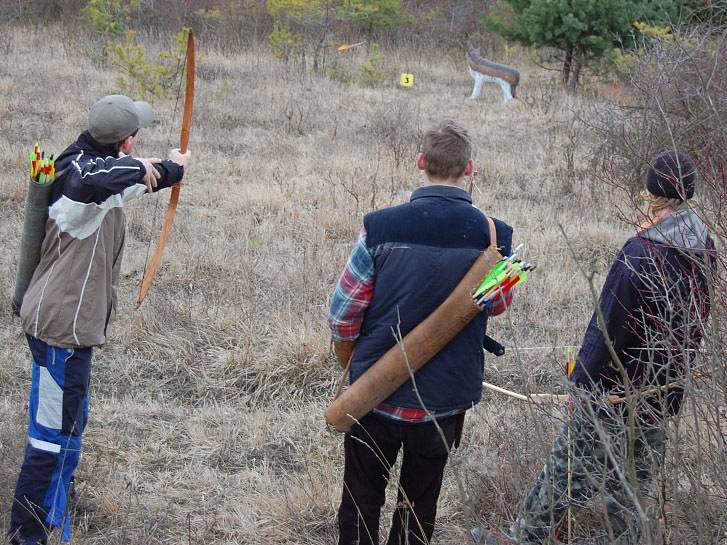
point(599, 465)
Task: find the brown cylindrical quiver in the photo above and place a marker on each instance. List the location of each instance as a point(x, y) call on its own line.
point(420, 345)
point(36, 215)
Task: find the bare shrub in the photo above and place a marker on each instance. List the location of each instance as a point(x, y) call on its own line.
point(679, 103)
point(395, 131)
point(541, 96)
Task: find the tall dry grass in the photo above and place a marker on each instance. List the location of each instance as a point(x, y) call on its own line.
point(206, 420)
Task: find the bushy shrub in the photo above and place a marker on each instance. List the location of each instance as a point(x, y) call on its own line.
point(348, 68)
point(338, 71)
point(371, 72)
point(142, 77)
point(282, 41)
point(108, 18)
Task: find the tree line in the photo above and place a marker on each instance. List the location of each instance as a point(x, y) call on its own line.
point(579, 32)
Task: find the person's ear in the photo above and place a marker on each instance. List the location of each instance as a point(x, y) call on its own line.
point(126, 144)
point(470, 168)
point(420, 162)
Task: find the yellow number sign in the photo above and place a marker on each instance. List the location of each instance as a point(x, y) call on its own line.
point(406, 80)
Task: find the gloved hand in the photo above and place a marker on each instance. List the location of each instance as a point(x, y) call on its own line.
point(152, 174)
point(182, 159)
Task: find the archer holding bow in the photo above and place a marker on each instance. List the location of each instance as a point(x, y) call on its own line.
point(640, 345)
point(72, 297)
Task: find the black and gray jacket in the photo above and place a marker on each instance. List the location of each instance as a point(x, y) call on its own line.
point(72, 295)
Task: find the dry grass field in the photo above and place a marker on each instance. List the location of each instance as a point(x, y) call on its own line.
point(206, 420)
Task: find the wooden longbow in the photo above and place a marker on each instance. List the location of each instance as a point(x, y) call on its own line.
point(613, 399)
point(174, 196)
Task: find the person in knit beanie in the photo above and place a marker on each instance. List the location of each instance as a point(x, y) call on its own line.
point(654, 306)
point(672, 175)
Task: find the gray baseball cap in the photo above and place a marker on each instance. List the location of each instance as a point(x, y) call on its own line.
point(115, 117)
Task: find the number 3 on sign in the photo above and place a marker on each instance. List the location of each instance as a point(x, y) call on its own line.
point(406, 80)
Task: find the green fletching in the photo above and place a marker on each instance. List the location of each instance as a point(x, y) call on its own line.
point(493, 277)
point(500, 273)
point(502, 270)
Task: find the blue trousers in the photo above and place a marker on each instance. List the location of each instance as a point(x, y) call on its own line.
point(57, 414)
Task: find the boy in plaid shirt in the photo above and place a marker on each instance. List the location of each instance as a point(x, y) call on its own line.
point(406, 261)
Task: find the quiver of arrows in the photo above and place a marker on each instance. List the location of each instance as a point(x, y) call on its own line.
point(416, 349)
point(31, 241)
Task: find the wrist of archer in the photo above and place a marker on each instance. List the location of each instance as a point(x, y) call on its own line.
point(171, 173)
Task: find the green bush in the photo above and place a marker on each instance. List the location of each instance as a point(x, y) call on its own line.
point(371, 73)
point(338, 71)
point(108, 23)
point(282, 41)
point(142, 77)
point(347, 70)
point(108, 18)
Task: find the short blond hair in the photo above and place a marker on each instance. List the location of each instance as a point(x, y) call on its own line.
point(656, 204)
point(447, 149)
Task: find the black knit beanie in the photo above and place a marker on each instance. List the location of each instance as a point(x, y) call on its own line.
point(671, 174)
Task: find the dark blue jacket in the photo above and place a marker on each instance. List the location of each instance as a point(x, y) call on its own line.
point(421, 251)
point(80, 163)
point(655, 304)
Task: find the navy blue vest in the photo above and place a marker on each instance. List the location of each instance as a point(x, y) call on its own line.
point(421, 251)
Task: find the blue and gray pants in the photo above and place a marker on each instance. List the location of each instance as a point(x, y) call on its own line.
point(58, 412)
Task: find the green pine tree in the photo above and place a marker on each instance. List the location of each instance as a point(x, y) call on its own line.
point(581, 29)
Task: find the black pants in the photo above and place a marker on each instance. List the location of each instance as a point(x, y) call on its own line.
point(371, 448)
